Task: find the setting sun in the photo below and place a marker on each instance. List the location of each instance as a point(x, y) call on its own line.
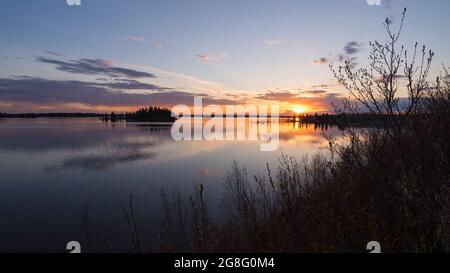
point(299, 110)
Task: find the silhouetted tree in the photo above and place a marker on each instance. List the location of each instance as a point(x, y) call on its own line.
point(392, 69)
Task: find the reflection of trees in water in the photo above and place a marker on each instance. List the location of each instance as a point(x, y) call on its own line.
point(309, 133)
point(160, 130)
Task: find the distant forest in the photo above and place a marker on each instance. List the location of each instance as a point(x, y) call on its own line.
point(160, 114)
point(151, 114)
point(51, 115)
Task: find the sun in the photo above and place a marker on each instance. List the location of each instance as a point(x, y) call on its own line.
point(299, 110)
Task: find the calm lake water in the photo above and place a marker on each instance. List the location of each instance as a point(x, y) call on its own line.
point(56, 172)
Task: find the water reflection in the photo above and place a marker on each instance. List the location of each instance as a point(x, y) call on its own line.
point(50, 167)
point(95, 146)
point(105, 158)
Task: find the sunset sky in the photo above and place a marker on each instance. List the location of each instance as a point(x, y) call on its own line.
point(119, 55)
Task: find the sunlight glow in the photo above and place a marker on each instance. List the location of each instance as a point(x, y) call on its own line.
point(299, 110)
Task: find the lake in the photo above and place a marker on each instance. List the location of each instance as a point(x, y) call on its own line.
point(56, 174)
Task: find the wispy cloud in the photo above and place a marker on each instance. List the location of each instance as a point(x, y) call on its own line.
point(346, 54)
point(186, 82)
point(273, 42)
point(94, 67)
point(137, 38)
point(127, 84)
point(322, 60)
point(212, 58)
point(204, 58)
point(53, 53)
point(157, 44)
point(353, 47)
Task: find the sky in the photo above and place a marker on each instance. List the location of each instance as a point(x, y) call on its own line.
point(117, 55)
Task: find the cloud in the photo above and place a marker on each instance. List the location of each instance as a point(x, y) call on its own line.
point(204, 58)
point(315, 92)
point(273, 42)
point(278, 96)
point(323, 102)
point(288, 96)
point(158, 45)
point(323, 86)
point(53, 53)
point(346, 58)
point(137, 38)
point(347, 55)
point(316, 100)
point(126, 84)
point(22, 91)
point(320, 61)
point(94, 67)
point(352, 47)
point(212, 58)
